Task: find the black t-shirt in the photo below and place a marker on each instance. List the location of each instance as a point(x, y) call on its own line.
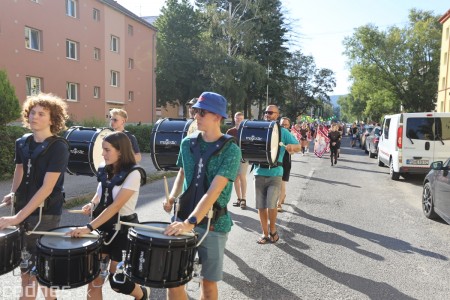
point(54, 159)
point(133, 141)
point(334, 137)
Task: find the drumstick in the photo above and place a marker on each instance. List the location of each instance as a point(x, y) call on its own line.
point(75, 211)
point(153, 228)
point(166, 187)
point(62, 234)
point(281, 144)
point(3, 204)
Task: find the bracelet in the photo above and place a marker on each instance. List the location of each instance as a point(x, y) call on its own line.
point(88, 225)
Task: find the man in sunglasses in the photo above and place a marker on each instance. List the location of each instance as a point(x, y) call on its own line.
point(268, 181)
point(117, 119)
point(209, 162)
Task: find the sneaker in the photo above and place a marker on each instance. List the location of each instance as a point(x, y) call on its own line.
point(146, 292)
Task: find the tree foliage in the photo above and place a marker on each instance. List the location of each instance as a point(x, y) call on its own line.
point(8, 100)
point(396, 69)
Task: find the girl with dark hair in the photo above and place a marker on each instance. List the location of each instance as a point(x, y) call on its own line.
point(117, 193)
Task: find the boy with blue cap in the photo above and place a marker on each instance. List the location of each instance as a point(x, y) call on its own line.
point(214, 160)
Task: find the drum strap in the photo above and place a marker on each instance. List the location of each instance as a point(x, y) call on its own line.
point(107, 187)
point(198, 186)
point(29, 186)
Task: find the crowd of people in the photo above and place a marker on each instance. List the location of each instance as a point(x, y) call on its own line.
point(210, 164)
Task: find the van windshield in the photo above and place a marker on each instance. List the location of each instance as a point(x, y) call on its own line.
point(428, 129)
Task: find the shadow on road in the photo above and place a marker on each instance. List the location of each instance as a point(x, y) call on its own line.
point(333, 182)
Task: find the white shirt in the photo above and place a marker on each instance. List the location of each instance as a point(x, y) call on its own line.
point(132, 182)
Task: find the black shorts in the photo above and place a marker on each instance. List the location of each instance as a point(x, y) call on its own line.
point(119, 243)
point(286, 172)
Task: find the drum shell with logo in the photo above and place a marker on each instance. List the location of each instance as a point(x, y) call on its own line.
point(10, 249)
point(259, 141)
point(158, 260)
point(85, 149)
point(165, 142)
point(65, 262)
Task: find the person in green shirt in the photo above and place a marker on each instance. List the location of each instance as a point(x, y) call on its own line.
point(221, 171)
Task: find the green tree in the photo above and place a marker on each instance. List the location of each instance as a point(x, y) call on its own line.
point(401, 63)
point(179, 75)
point(8, 100)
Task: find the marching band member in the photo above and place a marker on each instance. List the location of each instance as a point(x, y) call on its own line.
point(41, 159)
point(268, 182)
point(209, 163)
point(287, 164)
point(117, 192)
point(117, 119)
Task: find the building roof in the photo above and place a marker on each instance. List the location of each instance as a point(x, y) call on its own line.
point(114, 5)
point(150, 19)
point(445, 17)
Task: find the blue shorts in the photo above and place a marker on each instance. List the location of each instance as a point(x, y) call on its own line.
point(211, 252)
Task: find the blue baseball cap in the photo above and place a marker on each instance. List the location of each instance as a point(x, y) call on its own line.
point(212, 102)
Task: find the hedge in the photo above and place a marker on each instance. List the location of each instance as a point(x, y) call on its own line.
point(9, 136)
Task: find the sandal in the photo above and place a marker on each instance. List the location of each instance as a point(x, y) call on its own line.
point(237, 203)
point(272, 237)
point(243, 204)
point(263, 240)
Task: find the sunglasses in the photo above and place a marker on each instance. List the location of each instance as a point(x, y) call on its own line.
point(285, 125)
point(200, 111)
point(268, 112)
point(113, 119)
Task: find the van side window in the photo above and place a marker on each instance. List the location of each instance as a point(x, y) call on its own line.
point(420, 129)
point(443, 128)
point(387, 123)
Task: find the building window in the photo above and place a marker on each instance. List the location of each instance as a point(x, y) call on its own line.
point(446, 33)
point(443, 82)
point(130, 29)
point(96, 53)
point(130, 63)
point(96, 92)
point(33, 85)
point(96, 14)
point(71, 8)
point(130, 96)
point(445, 58)
point(32, 38)
point(72, 91)
point(36, 1)
point(71, 49)
point(114, 43)
point(114, 78)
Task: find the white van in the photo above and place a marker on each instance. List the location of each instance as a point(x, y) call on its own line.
point(410, 142)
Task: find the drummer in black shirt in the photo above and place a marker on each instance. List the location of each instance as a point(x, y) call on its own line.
point(335, 142)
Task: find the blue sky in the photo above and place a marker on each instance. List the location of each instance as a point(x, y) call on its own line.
point(319, 26)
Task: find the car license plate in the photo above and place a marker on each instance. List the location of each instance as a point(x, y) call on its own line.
point(417, 162)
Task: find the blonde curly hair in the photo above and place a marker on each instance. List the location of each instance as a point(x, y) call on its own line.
point(54, 104)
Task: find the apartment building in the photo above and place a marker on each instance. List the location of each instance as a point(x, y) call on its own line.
point(94, 53)
point(443, 101)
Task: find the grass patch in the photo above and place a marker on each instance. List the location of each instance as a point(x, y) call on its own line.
point(85, 198)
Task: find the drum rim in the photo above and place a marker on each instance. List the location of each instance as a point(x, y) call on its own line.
point(134, 233)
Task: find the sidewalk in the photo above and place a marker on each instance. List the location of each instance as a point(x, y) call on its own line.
point(80, 185)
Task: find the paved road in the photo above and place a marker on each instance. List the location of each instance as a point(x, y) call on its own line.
point(347, 232)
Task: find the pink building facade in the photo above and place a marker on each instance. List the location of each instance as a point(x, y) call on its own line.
point(94, 53)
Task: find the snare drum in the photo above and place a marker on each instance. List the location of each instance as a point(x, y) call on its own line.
point(10, 249)
point(65, 262)
point(158, 260)
point(165, 141)
point(259, 141)
point(85, 149)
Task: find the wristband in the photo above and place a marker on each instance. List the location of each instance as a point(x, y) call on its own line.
point(88, 225)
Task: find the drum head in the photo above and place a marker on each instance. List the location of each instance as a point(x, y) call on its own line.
point(156, 234)
point(66, 242)
point(97, 149)
point(6, 231)
point(274, 142)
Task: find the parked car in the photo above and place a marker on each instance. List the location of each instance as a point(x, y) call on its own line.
point(411, 141)
point(372, 142)
point(365, 131)
point(436, 191)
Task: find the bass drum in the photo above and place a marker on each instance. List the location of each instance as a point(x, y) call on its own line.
point(259, 141)
point(85, 149)
point(165, 141)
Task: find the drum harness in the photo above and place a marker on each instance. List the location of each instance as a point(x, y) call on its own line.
point(107, 199)
point(28, 184)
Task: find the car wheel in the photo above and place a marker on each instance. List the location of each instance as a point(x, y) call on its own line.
point(394, 175)
point(427, 202)
point(367, 148)
point(371, 155)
